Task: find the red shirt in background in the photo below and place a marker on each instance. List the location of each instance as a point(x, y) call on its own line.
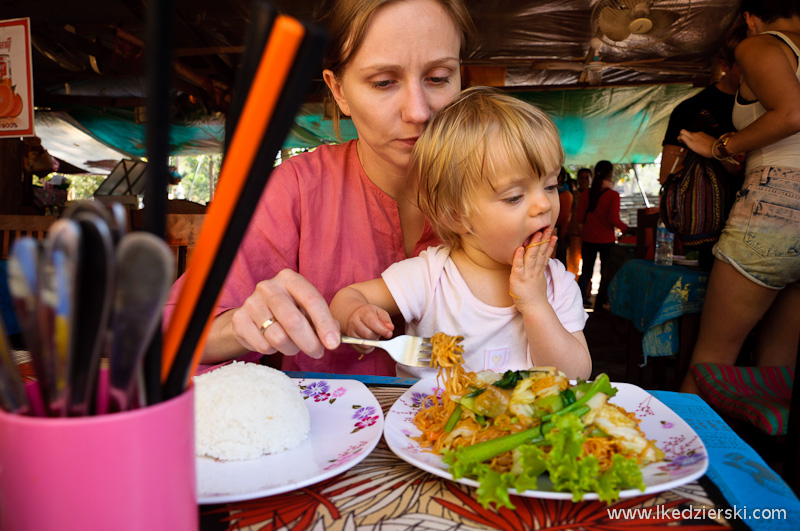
point(598, 225)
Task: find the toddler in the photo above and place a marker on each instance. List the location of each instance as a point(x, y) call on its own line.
point(486, 170)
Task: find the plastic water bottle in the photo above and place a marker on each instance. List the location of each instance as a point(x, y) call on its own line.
point(664, 241)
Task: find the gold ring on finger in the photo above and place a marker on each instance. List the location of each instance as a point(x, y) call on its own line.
point(266, 324)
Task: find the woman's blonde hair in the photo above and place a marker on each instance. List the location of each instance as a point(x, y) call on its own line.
point(453, 158)
point(347, 21)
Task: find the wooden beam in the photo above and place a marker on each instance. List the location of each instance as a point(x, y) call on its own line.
point(209, 50)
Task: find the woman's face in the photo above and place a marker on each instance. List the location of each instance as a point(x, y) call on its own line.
point(405, 70)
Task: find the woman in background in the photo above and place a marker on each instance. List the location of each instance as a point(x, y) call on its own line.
point(575, 226)
point(756, 272)
point(598, 209)
point(565, 182)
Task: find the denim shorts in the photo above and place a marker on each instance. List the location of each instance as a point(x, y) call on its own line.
point(761, 238)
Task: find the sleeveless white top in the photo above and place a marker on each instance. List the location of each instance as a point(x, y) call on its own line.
point(783, 153)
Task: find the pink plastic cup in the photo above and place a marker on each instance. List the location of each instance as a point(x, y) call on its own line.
point(124, 471)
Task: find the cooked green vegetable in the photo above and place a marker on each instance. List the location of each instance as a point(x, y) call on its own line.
point(547, 405)
point(567, 396)
point(454, 416)
point(475, 393)
point(510, 379)
point(485, 450)
point(600, 385)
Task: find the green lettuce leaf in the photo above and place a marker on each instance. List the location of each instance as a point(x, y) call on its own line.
point(567, 472)
point(494, 487)
point(529, 464)
point(623, 474)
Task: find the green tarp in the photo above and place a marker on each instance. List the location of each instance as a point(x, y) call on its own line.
point(620, 124)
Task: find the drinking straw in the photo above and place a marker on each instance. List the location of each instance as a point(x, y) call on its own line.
point(262, 17)
point(159, 74)
point(267, 115)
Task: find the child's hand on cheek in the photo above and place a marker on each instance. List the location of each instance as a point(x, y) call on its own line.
point(369, 322)
point(527, 283)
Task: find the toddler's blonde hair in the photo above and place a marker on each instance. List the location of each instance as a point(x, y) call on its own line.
point(454, 157)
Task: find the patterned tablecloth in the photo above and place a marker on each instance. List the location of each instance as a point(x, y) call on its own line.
point(383, 492)
point(653, 297)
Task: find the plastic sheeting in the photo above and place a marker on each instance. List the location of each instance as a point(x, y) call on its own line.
point(620, 124)
point(514, 36)
point(520, 34)
point(119, 127)
point(66, 140)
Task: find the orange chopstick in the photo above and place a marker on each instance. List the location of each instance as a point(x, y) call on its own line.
point(273, 70)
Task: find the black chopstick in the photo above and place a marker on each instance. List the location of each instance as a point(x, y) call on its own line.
point(159, 76)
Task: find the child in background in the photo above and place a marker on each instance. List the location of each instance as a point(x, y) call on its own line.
point(486, 169)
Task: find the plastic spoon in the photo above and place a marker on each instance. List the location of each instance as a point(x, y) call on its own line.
point(23, 283)
point(119, 218)
point(95, 276)
point(145, 266)
point(56, 310)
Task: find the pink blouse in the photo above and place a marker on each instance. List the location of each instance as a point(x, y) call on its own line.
point(320, 215)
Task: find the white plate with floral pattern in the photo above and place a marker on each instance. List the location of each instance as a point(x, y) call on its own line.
point(346, 424)
point(686, 455)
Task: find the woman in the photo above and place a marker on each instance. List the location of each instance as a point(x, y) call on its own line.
point(757, 264)
point(343, 214)
point(575, 226)
point(565, 201)
point(598, 209)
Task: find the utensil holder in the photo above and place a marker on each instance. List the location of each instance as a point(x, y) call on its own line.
point(132, 470)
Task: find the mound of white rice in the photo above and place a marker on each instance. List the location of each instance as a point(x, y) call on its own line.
point(246, 410)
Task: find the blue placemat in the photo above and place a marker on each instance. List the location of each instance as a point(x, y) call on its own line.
point(366, 379)
point(753, 490)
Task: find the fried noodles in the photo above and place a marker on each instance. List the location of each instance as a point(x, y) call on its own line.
point(474, 408)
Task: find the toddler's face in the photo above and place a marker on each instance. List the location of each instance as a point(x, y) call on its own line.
point(509, 213)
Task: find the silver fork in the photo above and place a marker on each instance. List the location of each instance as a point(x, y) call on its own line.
point(408, 350)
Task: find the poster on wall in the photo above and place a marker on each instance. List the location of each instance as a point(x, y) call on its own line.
point(16, 78)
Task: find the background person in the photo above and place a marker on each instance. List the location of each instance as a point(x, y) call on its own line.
point(575, 226)
point(564, 214)
point(756, 273)
point(598, 208)
point(710, 112)
point(487, 168)
point(344, 213)
point(716, 100)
